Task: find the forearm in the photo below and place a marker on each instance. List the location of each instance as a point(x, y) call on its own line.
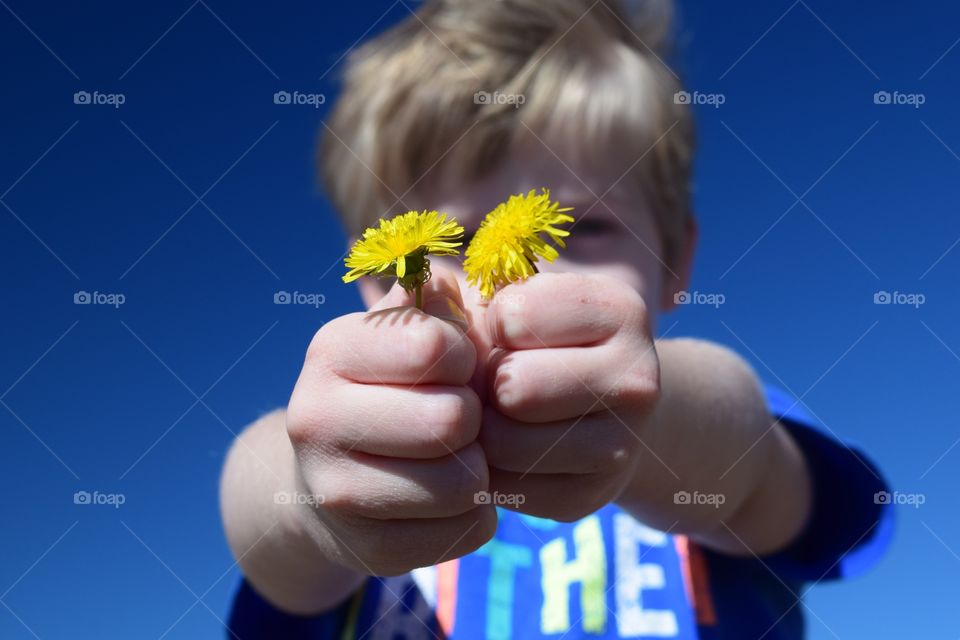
point(280, 555)
point(713, 438)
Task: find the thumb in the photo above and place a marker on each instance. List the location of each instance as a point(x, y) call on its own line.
point(441, 298)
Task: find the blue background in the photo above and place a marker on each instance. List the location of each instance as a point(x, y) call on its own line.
point(196, 199)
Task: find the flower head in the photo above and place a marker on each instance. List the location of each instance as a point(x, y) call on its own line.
point(510, 240)
point(399, 247)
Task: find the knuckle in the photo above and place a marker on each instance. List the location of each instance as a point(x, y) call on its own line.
point(625, 301)
point(330, 349)
point(640, 389)
point(337, 500)
point(453, 418)
point(644, 391)
point(301, 427)
point(309, 425)
point(473, 474)
point(632, 307)
point(625, 308)
point(426, 344)
point(324, 338)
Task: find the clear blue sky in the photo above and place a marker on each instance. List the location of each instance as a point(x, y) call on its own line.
point(195, 199)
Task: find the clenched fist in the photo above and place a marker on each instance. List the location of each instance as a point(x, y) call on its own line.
point(385, 427)
point(571, 379)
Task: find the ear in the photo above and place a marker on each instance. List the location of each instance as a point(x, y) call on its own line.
point(684, 266)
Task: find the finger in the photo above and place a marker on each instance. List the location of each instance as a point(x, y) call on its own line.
point(563, 310)
point(545, 385)
point(421, 422)
point(394, 346)
point(383, 488)
point(598, 443)
point(441, 298)
point(562, 497)
point(394, 547)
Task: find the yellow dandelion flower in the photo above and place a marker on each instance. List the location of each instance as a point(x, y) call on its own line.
point(510, 240)
point(398, 248)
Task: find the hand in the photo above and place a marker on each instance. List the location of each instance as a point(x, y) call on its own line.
point(384, 428)
point(572, 379)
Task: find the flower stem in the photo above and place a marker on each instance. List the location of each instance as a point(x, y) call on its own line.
point(419, 301)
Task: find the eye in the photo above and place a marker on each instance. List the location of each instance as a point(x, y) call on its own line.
point(593, 227)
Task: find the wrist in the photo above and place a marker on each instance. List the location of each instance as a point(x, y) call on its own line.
point(706, 446)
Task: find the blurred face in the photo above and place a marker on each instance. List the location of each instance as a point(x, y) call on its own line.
point(617, 236)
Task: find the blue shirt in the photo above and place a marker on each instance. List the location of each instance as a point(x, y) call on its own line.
point(610, 576)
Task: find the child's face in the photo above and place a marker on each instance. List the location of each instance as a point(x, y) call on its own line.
point(617, 236)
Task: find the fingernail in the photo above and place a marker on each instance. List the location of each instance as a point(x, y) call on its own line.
point(511, 321)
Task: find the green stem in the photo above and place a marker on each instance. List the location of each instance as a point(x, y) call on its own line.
point(419, 301)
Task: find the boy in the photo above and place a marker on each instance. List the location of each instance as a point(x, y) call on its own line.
point(537, 466)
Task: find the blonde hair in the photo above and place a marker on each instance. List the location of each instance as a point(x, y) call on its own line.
point(593, 87)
